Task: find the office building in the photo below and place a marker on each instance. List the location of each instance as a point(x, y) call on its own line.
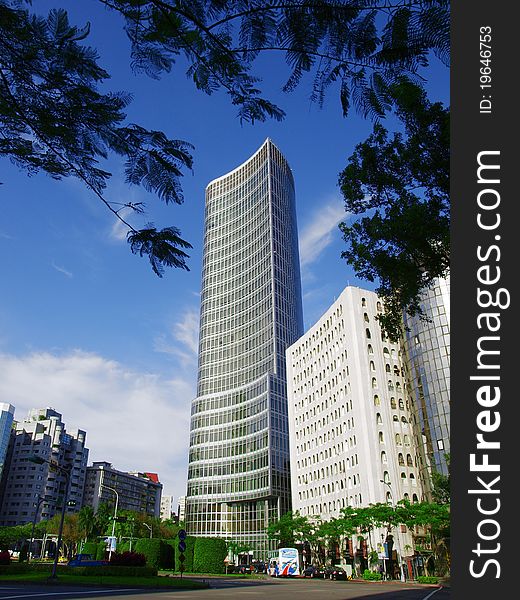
point(238, 478)
point(137, 491)
point(427, 349)
point(167, 508)
point(350, 417)
point(32, 491)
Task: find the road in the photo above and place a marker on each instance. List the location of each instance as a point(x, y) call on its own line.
point(224, 589)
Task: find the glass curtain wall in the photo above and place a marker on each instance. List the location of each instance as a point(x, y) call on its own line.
point(239, 476)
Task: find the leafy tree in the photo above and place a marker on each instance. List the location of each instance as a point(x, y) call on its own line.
point(289, 529)
point(54, 118)
point(399, 183)
point(87, 522)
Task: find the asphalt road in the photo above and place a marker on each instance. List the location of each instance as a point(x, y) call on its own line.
point(222, 589)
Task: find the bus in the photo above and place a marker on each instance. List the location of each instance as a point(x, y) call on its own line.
point(284, 562)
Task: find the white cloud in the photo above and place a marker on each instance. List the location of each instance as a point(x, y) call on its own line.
point(62, 270)
point(137, 421)
point(182, 340)
point(317, 234)
point(119, 230)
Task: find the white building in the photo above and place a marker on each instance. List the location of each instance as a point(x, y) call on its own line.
point(33, 491)
point(167, 507)
point(350, 430)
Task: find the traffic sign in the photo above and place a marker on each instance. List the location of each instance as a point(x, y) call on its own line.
point(182, 546)
point(182, 534)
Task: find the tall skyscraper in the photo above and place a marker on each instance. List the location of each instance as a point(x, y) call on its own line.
point(6, 424)
point(239, 475)
point(427, 345)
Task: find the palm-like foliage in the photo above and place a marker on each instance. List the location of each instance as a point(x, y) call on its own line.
point(55, 119)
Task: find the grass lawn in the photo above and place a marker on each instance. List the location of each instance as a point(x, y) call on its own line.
point(132, 582)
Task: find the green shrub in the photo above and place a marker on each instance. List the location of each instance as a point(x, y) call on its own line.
point(372, 575)
point(89, 548)
point(100, 551)
point(115, 571)
point(188, 553)
point(151, 548)
point(209, 555)
point(127, 559)
point(427, 579)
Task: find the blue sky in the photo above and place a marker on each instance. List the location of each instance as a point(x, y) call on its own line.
point(85, 326)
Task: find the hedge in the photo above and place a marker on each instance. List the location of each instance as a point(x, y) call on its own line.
point(188, 553)
point(151, 548)
point(427, 579)
point(167, 560)
point(209, 555)
point(113, 571)
point(90, 548)
point(100, 551)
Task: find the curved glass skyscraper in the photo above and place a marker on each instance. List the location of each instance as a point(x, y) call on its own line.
point(427, 346)
point(238, 478)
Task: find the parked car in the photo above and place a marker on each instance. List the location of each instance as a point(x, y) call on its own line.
point(86, 560)
point(310, 571)
point(336, 573)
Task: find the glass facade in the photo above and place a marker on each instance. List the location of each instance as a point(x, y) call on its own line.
point(239, 476)
point(428, 360)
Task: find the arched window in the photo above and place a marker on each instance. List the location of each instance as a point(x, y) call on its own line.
point(412, 479)
point(372, 366)
point(409, 461)
point(387, 368)
point(374, 382)
point(383, 458)
point(370, 349)
point(400, 458)
point(378, 418)
point(377, 401)
point(401, 404)
point(379, 307)
point(381, 438)
point(367, 332)
point(406, 440)
point(365, 316)
point(392, 403)
point(395, 418)
point(414, 498)
point(398, 439)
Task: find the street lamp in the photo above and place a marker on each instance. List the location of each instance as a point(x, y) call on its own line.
point(39, 461)
point(398, 536)
point(114, 519)
point(149, 527)
point(38, 504)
